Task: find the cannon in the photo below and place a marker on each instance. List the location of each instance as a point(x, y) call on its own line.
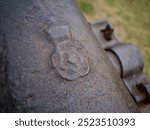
point(53, 60)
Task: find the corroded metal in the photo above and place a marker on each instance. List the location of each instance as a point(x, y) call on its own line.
point(71, 60)
point(51, 61)
point(59, 33)
point(105, 33)
point(130, 58)
point(127, 60)
point(70, 57)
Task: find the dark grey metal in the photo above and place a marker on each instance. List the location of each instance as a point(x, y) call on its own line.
point(130, 59)
point(127, 60)
point(131, 65)
point(52, 62)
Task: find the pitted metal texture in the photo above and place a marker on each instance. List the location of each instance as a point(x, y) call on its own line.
point(54, 63)
point(71, 60)
point(70, 57)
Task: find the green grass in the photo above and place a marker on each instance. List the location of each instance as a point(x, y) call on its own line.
point(85, 6)
point(130, 18)
point(110, 2)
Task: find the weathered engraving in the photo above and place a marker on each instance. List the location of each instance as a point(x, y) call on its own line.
point(71, 60)
point(58, 33)
point(70, 57)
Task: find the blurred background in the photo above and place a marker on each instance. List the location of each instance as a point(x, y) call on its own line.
point(130, 19)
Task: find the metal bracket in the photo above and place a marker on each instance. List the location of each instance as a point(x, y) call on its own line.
point(127, 60)
point(105, 34)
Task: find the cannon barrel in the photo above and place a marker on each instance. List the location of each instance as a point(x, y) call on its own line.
point(51, 61)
